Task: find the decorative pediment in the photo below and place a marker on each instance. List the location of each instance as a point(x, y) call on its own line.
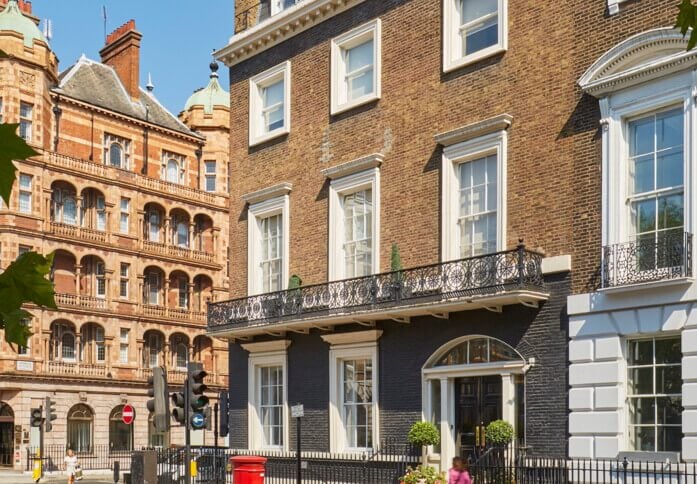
point(640, 58)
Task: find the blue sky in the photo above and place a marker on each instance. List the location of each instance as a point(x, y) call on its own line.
point(178, 38)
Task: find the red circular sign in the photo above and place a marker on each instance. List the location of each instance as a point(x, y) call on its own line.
point(128, 415)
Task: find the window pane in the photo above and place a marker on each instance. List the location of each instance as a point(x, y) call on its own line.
point(670, 211)
point(359, 70)
point(668, 380)
point(474, 9)
point(669, 168)
point(669, 129)
point(669, 410)
point(641, 381)
point(644, 438)
point(645, 212)
point(641, 171)
point(641, 134)
point(273, 94)
point(668, 351)
point(669, 439)
point(641, 352)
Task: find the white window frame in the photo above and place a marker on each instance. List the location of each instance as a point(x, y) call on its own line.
point(26, 191)
point(210, 175)
point(452, 40)
point(124, 144)
point(257, 212)
point(124, 215)
point(339, 91)
point(273, 353)
point(348, 346)
point(453, 156)
point(256, 84)
point(26, 123)
point(617, 111)
point(124, 336)
point(338, 188)
point(124, 278)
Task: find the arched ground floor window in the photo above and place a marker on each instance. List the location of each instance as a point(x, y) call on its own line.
point(120, 434)
point(80, 428)
point(7, 419)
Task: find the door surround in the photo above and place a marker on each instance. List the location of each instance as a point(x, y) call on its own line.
point(435, 371)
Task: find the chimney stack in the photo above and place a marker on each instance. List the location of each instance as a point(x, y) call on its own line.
point(122, 52)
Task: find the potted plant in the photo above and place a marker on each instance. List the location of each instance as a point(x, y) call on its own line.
point(294, 298)
point(423, 474)
point(397, 268)
point(499, 433)
point(423, 434)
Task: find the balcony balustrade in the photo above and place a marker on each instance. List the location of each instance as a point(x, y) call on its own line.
point(178, 376)
point(661, 256)
point(176, 251)
point(76, 232)
point(488, 281)
point(75, 368)
point(180, 314)
point(107, 172)
point(80, 301)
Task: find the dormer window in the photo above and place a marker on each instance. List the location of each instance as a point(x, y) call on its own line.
point(173, 168)
point(117, 151)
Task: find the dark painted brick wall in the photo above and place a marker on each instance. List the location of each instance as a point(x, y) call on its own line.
point(404, 349)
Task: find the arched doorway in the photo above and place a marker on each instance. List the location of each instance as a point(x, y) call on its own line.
point(7, 426)
point(468, 383)
point(120, 434)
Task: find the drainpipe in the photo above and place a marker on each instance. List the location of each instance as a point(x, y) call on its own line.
point(57, 111)
point(146, 131)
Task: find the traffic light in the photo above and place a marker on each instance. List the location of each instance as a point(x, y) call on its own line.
point(158, 405)
point(224, 414)
point(198, 401)
point(178, 404)
point(50, 414)
point(36, 417)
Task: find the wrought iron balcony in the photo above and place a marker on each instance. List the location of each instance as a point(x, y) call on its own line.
point(662, 257)
point(489, 281)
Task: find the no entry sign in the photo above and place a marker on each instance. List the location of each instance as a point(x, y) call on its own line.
point(128, 415)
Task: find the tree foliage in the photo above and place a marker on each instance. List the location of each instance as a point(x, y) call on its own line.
point(424, 433)
point(687, 22)
point(24, 281)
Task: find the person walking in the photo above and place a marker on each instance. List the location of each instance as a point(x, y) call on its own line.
point(70, 461)
point(458, 473)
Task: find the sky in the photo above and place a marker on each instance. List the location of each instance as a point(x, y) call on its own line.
point(178, 38)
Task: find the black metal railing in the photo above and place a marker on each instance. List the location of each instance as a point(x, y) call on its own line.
point(487, 274)
point(259, 12)
point(664, 256)
point(514, 466)
point(99, 457)
point(382, 466)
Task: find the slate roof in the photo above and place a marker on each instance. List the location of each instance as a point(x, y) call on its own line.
point(98, 84)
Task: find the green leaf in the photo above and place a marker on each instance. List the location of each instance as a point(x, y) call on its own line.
point(12, 147)
point(15, 331)
point(24, 281)
point(686, 21)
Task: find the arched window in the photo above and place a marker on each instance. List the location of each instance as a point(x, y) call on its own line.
point(183, 234)
point(180, 355)
point(69, 212)
point(478, 350)
point(153, 287)
point(100, 280)
point(120, 434)
point(116, 155)
point(173, 171)
point(154, 343)
point(80, 427)
point(68, 346)
point(154, 226)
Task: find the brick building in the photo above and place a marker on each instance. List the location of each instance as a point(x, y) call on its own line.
point(633, 334)
point(363, 128)
point(133, 202)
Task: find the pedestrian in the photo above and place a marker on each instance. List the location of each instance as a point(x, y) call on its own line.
point(70, 466)
point(458, 473)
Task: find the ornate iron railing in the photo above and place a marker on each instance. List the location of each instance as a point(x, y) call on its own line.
point(475, 276)
point(666, 256)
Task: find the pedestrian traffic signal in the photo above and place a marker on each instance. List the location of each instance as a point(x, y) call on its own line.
point(198, 401)
point(224, 414)
point(158, 405)
point(178, 404)
point(50, 414)
point(36, 417)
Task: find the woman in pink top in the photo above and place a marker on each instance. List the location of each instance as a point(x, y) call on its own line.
point(458, 473)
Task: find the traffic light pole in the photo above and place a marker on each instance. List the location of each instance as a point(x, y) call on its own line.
point(41, 444)
point(187, 433)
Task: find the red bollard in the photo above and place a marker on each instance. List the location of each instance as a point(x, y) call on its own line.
point(248, 469)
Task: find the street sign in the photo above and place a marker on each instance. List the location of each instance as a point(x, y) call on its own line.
point(128, 414)
point(297, 411)
point(198, 421)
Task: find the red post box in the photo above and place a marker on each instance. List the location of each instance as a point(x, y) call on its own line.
point(248, 469)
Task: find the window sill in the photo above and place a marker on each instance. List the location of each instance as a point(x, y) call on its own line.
point(643, 286)
point(342, 108)
point(277, 133)
point(455, 64)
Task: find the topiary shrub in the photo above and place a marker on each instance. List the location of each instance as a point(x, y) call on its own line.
point(499, 433)
point(423, 434)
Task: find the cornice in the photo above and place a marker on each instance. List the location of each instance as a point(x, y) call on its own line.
point(280, 27)
point(607, 73)
point(264, 194)
point(474, 130)
point(373, 160)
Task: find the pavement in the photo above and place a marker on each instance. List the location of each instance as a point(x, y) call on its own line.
point(22, 478)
